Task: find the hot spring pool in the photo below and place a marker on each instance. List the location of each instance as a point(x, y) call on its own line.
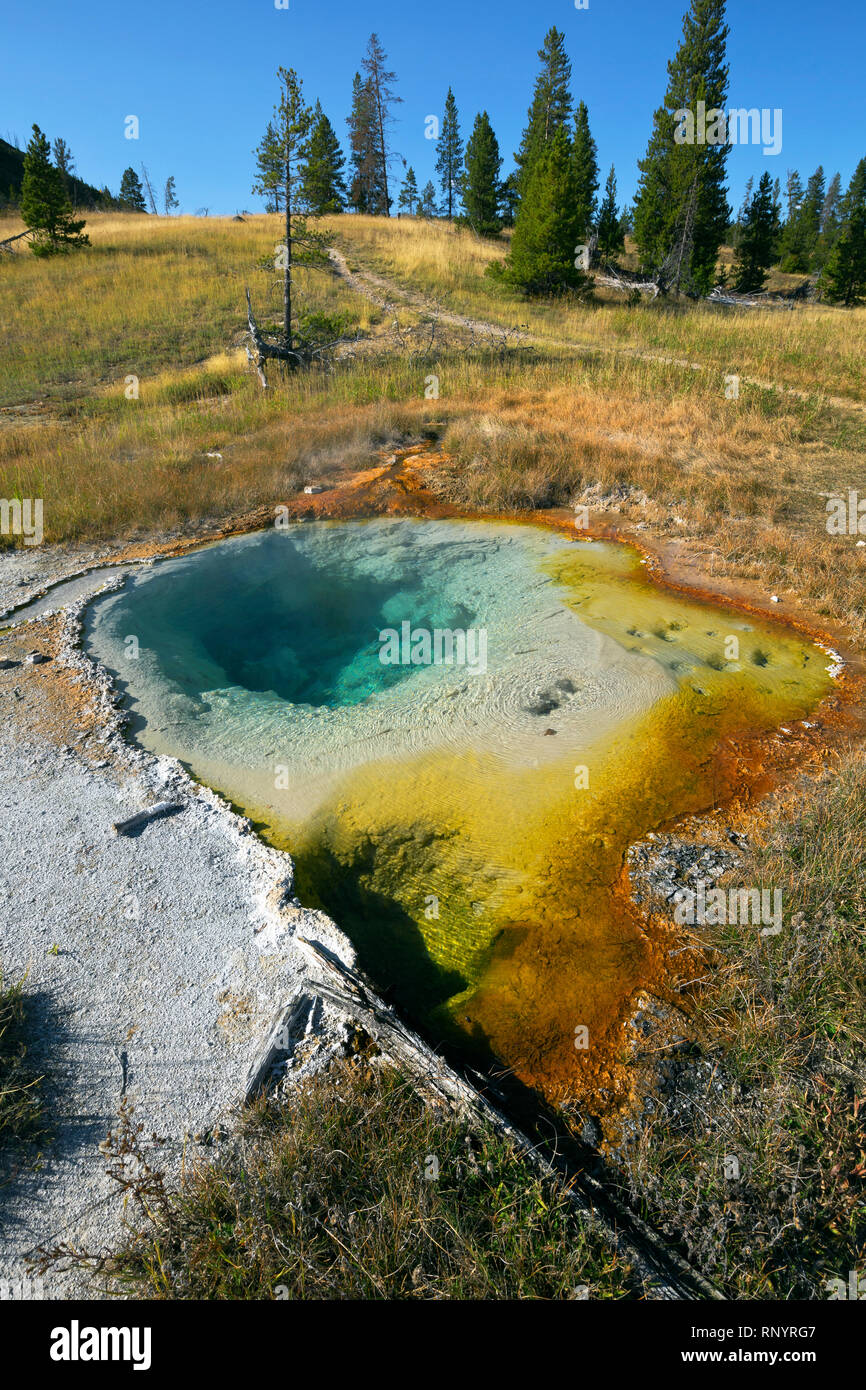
point(463, 819)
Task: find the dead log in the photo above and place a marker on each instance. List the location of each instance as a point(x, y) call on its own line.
point(621, 280)
point(6, 245)
point(349, 992)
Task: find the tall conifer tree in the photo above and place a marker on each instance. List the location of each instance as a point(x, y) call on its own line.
point(131, 191)
point(584, 156)
point(845, 275)
point(548, 228)
point(381, 96)
point(610, 234)
point(323, 188)
point(45, 206)
point(449, 158)
point(551, 104)
point(278, 160)
point(758, 238)
point(408, 200)
point(482, 190)
point(682, 180)
point(427, 205)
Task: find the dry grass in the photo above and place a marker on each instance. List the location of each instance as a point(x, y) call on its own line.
point(779, 1082)
point(163, 300)
point(815, 349)
point(746, 481)
point(150, 295)
point(20, 1104)
point(330, 1193)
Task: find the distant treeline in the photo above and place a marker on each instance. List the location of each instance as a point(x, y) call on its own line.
point(680, 217)
point(81, 194)
point(679, 220)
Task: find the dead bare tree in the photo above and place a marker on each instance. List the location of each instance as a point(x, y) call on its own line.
point(148, 188)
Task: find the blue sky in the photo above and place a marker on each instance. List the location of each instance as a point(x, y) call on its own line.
point(199, 74)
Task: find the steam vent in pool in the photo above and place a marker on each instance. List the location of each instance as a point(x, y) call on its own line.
point(456, 729)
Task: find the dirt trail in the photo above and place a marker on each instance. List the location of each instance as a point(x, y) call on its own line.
point(384, 293)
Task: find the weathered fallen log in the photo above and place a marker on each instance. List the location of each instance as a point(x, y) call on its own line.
point(6, 244)
point(620, 280)
point(162, 808)
point(349, 992)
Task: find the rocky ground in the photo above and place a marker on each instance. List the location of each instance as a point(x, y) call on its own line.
point(156, 962)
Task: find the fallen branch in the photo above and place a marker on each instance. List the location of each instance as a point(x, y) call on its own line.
point(342, 987)
point(6, 245)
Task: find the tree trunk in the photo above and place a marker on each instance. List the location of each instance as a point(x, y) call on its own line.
point(287, 272)
point(383, 154)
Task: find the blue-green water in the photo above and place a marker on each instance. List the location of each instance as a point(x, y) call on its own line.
point(464, 826)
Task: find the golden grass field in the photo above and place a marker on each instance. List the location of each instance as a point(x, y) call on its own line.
point(615, 400)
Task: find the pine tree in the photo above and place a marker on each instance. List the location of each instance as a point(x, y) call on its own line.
point(677, 171)
point(793, 194)
point(584, 156)
point(548, 228)
point(268, 165)
point(831, 221)
point(845, 274)
point(758, 239)
point(855, 194)
point(408, 200)
point(449, 158)
point(169, 197)
point(45, 207)
point(131, 191)
point(510, 199)
point(610, 233)
point(813, 203)
point(363, 193)
point(278, 160)
point(380, 85)
point(323, 187)
point(427, 206)
point(66, 164)
point(737, 228)
point(800, 237)
point(551, 105)
point(482, 191)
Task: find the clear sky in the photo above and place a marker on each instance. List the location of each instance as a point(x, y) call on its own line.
point(200, 76)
